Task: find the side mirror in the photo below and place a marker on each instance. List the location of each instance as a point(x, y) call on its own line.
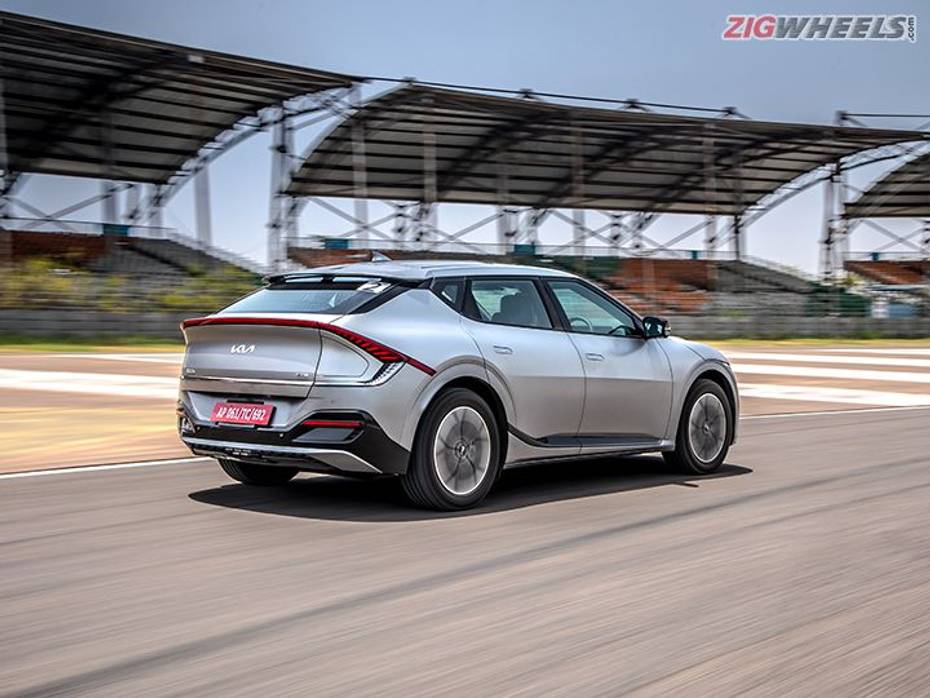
point(655, 327)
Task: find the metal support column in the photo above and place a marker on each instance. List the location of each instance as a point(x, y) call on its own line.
point(578, 231)
point(710, 194)
point(276, 242)
point(842, 223)
point(532, 226)
point(636, 235)
point(202, 207)
point(426, 216)
point(401, 224)
point(290, 206)
point(292, 222)
point(828, 239)
point(738, 201)
point(156, 214)
point(108, 188)
point(504, 224)
point(616, 231)
point(737, 237)
point(133, 203)
point(108, 202)
point(578, 217)
point(502, 228)
point(359, 166)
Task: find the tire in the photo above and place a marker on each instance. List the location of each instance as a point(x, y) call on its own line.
point(456, 454)
point(258, 475)
point(702, 449)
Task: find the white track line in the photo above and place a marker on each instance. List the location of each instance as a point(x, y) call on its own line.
point(888, 350)
point(816, 393)
point(76, 470)
point(828, 372)
point(165, 358)
point(827, 413)
point(99, 468)
point(822, 359)
point(124, 385)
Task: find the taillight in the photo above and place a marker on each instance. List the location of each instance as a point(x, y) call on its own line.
point(379, 351)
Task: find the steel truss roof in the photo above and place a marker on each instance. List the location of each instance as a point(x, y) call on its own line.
point(426, 144)
point(89, 103)
point(902, 193)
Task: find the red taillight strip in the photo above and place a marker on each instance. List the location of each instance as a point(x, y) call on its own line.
point(333, 423)
point(381, 352)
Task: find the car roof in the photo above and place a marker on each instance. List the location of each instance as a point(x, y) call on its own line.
point(425, 269)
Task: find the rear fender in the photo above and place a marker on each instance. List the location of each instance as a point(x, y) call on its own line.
point(471, 367)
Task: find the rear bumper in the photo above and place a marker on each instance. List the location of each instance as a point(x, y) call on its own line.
point(364, 450)
point(302, 457)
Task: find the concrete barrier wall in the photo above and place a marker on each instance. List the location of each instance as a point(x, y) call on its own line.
point(78, 323)
point(86, 324)
point(774, 327)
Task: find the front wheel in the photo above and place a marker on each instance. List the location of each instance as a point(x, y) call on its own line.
point(456, 455)
point(261, 475)
point(705, 430)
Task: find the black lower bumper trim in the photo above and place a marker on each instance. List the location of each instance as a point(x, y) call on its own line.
point(368, 444)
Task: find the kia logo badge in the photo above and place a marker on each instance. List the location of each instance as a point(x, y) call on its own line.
point(241, 348)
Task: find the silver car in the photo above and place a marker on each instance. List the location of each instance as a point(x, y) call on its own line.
point(444, 373)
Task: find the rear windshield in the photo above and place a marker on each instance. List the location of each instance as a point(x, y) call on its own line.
point(328, 296)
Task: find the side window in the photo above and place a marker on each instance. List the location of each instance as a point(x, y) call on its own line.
point(513, 302)
point(589, 312)
point(449, 290)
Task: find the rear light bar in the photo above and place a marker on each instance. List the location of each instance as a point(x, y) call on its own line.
point(333, 423)
point(379, 351)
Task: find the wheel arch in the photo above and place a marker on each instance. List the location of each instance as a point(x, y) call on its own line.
point(486, 392)
point(726, 383)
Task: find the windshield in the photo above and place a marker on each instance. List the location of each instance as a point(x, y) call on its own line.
point(331, 297)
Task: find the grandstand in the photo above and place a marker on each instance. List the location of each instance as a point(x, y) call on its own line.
point(116, 273)
point(649, 285)
point(84, 103)
point(905, 272)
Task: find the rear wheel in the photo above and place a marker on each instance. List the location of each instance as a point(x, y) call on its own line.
point(456, 455)
point(261, 475)
point(705, 430)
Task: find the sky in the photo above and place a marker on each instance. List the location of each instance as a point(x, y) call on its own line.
point(668, 52)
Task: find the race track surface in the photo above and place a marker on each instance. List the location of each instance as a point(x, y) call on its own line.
point(70, 409)
point(800, 568)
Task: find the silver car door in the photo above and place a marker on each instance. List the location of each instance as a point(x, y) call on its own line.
point(628, 379)
point(539, 365)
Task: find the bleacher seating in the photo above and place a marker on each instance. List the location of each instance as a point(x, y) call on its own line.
point(742, 277)
point(123, 258)
point(649, 285)
point(113, 253)
point(891, 272)
point(662, 286)
point(115, 273)
point(175, 254)
point(67, 248)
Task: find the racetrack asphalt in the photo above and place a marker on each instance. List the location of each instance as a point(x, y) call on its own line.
point(68, 409)
point(801, 568)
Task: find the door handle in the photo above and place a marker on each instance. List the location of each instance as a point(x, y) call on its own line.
point(501, 349)
point(592, 356)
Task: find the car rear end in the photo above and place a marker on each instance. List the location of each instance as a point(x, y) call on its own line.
point(281, 378)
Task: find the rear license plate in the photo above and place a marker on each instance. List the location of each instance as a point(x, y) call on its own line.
point(241, 413)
